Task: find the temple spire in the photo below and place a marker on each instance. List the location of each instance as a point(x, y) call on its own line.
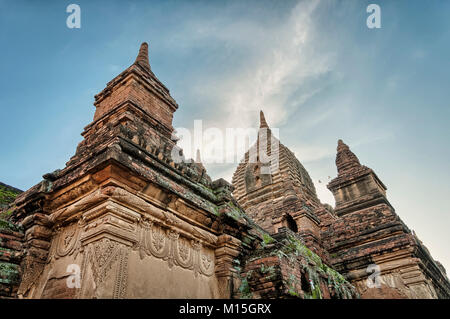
point(345, 158)
point(262, 120)
point(198, 161)
point(198, 158)
point(142, 58)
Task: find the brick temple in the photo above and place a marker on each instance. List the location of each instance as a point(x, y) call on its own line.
point(124, 220)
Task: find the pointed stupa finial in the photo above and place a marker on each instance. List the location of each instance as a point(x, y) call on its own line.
point(262, 120)
point(345, 158)
point(198, 161)
point(142, 58)
point(341, 145)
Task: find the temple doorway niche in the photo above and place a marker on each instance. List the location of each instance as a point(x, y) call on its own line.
point(290, 223)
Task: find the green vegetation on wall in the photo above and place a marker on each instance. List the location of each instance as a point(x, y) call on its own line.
point(7, 195)
point(291, 248)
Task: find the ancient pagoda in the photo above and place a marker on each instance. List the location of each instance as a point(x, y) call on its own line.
point(130, 217)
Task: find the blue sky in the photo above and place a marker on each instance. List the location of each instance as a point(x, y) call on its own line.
point(314, 67)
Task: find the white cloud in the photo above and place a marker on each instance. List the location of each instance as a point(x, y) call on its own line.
point(310, 153)
point(279, 57)
point(277, 72)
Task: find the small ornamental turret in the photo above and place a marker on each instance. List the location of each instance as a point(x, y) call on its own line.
point(198, 158)
point(198, 161)
point(262, 120)
point(355, 184)
point(346, 160)
point(142, 58)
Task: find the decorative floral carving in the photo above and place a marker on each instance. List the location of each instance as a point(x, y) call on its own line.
point(66, 241)
point(167, 244)
point(156, 242)
point(207, 264)
point(68, 237)
point(183, 250)
point(158, 239)
point(101, 256)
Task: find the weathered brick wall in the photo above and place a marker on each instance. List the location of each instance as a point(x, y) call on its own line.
point(367, 232)
point(7, 196)
point(286, 268)
point(10, 256)
point(366, 225)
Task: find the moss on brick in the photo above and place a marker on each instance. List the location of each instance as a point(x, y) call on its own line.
point(315, 267)
point(7, 194)
point(9, 273)
point(291, 248)
point(6, 225)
